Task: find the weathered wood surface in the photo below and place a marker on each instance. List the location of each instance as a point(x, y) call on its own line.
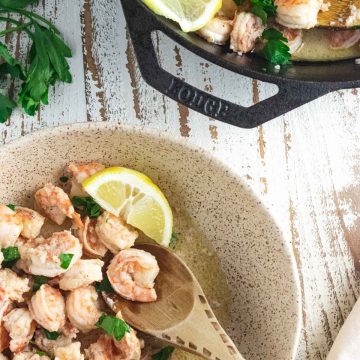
point(304, 166)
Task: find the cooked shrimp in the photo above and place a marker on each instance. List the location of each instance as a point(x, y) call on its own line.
point(247, 30)
point(79, 173)
point(21, 327)
point(12, 286)
point(293, 36)
point(83, 308)
point(114, 233)
point(4, 338)
point(128, 348)
point(27, 355)
point(69, 352)
point(42, 256)
point(217, 30)
point(298, 14)
point(83, 273)
point(228, 8)
point(49, 346)
point(132, 273)
point(48, 308)
point(56, 205)
point(32, 222)
point(343, 39)
point(10, 226)
point(92, 245)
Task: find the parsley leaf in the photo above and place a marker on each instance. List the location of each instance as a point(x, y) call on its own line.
point(51, 335)
point(65, 260)
point(11, 206)
point(64, 179)
point(263, 9)
point(10, 65)
point(11, 256)
point(174, 239)
point(16, 4)
point(88, 204)
point(104, 285)
point(41, 353)
point(275, 50)
point(113, 326)
point(164, 354)
point(38, 281)
point(6, 108)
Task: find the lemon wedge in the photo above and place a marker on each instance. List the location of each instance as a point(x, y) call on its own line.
point(132, 195)
point(191, 15)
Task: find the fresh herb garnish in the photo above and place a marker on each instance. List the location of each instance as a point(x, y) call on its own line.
point(238, 2)
point(51, 335)
point(38, 281)
point(174, 239)
point(11, 256)
point(164, 354)
point(45, 64)
point(113, 326)
point(41, 353)
point(87, 204)
point(65, 260)
point(11, 206)
point(104, 285)
point(275, 50)
point(263, 9)
point(64, 179)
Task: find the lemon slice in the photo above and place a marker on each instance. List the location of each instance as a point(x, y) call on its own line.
point(132, 195)
point(191, 15)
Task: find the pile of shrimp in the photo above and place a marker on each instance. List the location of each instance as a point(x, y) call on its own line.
point(239, 26)
point(67, 302)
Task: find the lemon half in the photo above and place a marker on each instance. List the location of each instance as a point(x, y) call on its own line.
point(132, 195)
point(191, 15)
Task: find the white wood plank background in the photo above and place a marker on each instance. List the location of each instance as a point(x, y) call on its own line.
point(304, 165)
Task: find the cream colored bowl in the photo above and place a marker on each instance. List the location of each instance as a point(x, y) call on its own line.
point(264, 302)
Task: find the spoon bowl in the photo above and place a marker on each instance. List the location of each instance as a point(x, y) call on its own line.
point(181, 315)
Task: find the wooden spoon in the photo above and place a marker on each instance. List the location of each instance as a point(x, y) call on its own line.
point(337, 14)
point(181, 316)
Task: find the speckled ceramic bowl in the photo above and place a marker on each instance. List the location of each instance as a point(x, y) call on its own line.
point(265, 312)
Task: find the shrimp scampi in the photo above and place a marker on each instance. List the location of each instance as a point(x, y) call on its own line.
point(11, 226)
point(132, 273)
point(217, 30)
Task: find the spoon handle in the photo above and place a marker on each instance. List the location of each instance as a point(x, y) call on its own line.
point(202, 334)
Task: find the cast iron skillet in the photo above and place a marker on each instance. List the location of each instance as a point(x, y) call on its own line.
point(298, 84)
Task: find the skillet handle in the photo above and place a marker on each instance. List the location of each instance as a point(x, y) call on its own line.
point(290, 96)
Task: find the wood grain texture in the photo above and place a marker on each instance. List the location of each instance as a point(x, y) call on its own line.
point(304, 165)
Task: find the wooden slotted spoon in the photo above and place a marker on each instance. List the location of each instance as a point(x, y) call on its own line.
point(181, 316)
point(337, 14)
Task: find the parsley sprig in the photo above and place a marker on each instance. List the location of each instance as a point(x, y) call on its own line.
point(11, 255)
point(113, 326)
point(164, 354)
point(261, 8)
point(88, 205)
point(45, 65)
point(276, 50)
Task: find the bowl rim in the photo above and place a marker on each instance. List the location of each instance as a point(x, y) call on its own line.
point(185, 142)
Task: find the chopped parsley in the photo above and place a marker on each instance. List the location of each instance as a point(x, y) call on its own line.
point(164, 354)
point(88, 205)
point(64, 179)
point(174, 239)
point(11, 256)
point(38, 281)
point(65, 260)
point(263, 9)
point(113, 326)
point(41, 353)
point(276, 50)
point(11, 206)
point(104, 285)
point(51, 335)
